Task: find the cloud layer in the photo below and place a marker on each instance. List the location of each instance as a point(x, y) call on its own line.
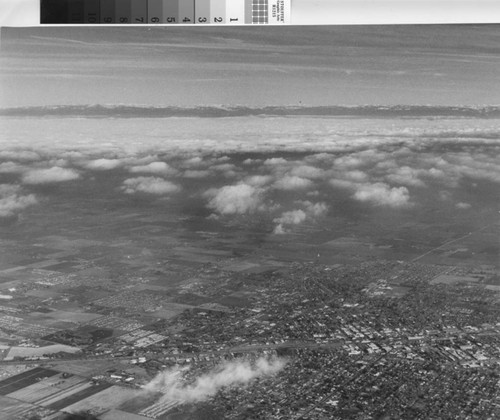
point(271, 170)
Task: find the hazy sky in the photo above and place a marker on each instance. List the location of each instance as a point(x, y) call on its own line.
point(255, 66)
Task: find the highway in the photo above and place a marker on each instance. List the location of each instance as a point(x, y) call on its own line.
point(237, 349)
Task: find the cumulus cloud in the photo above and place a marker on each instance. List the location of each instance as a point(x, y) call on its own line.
point(355, 176)
point(235, 199)
point(342, 183)
point(170, 384)
point(57, 162)
point(150, 185)
point(320, 158)
point(349, 179)
point(289, 183)
point(251, 161)
point(222, 159)
point(406, 176)
point(12, 201)
point(279, 230)
point(315, 209)
point(383, 195)
point(193, 162)
point(463, 206)
point(231, 174)
point(296, 217)
point(435, 173)
point(358, 159)
point(193, 173)
point(11, 168)
point(477, 167)
point(445, 195)
point(275, 161)
point(293, 217)
point(387, 165)
point(461, 165)
point(347, 162)
point(103, 164)
point(19, 155)
point(72, 155)
point(160, 168)
point(224, 167)
point(49, 176)
point(258, 180)
point(306, 171)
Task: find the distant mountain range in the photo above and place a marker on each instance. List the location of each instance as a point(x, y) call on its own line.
point(137, 111)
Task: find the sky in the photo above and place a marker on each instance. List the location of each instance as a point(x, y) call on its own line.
point(255, 66)
point(340, 12)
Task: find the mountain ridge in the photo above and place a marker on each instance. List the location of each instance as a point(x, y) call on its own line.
point(141, 111)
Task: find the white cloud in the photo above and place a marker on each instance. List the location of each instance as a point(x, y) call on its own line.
point(20, 155)
point(251, 161)
point(293, 217)
point(387, 165)
point(160, 168)
point(463, 206)
point(224, 167)
point(445, 195)
point(8, 189)
point(103, 164)
point(458, 165)
point(342, 183)
point(279, 230)
point(222, 159)
point(349, 179)
point(150, 185)
point(235, 199)
point(435, 173)
point(50, 175)
point(170, 384)
point(358, 159)
point(349, 161)
point(292, 183)
point(193, 173)
point(230, 174)
point(258, 180)
point(57, 162)
point(296, 217)
point(11, 168)
point(275, 161)
point(72, 155)
point(383, 195)
point(228, 169)
point(193, 162)
point(12, 201)
point(406, 176)
point(315, 209)
point(306, 171)
point(320, 157)
point(355, 176)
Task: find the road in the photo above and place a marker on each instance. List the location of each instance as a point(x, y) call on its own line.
point(237, 349)
point(450, 242)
